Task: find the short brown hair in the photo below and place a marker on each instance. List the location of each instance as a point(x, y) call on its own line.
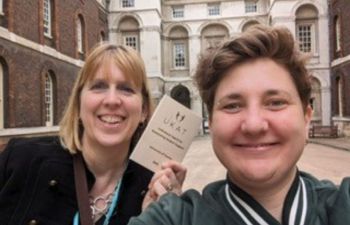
point(129, 62)
point(257, 42)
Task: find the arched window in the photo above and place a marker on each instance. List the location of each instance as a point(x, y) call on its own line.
point(2, 113)
point(179, 42)
point(102, 36)
point(315, 100)
point(339, 83)
point(130, 30)
point(80, 34)
point(337, 34)
point(47, 17)
point(49, 99)
point(1, 6)
point(212, 36)
point(306, 28)
point(248, 25)
point(182, 95)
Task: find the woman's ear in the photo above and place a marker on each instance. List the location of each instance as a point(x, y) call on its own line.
point(144, 114)
point(307, 117)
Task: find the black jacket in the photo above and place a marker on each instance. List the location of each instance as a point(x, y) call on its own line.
point(37, 185)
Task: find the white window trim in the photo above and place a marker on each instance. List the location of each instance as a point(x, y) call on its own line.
point(340, 97)
point(1, 7)
point(174, 55)
point(2, 119)
point(178, 12)
point(47, 33)
point(249, 5)
point(48, 98)
point(126, 36)
point(338, 34)
point(127, 3)
point(312, 24)
point(79, 31)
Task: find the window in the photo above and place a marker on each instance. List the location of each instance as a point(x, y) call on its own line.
point(212, 36)
point(79, 32)
point(306, 29)
point(48, 92)
point(304, 36)
point(250, 6)
point(179, 55)
point(47, 18)
point(102, 36)
point(128, 3)
point(1, 6)
point(1, 96)
point(131, 41)
point(178, 11)
point(337, 34)
point(340, 96)
point(214, 9)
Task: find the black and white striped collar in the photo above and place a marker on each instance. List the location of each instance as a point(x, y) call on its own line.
point(252, 213)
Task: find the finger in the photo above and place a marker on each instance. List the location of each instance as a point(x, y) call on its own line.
point(156, 176)
point(179, 170)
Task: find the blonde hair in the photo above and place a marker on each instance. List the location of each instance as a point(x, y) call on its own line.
point(129, 62)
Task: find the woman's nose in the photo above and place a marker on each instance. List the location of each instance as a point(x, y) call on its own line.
point(254, 122)
point(112, 97)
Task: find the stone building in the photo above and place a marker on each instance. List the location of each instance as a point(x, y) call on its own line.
point(171, 34)
point(42, 46)
point(340, 63)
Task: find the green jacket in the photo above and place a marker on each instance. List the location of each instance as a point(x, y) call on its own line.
point(309, 201)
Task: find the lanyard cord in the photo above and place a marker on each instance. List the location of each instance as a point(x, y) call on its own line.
point(111, 208)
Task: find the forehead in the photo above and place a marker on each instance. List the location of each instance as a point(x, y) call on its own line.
point(256, 77)
point(108, 68)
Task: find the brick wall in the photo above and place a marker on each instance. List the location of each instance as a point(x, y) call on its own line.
point(25, 67)
point(341, 9)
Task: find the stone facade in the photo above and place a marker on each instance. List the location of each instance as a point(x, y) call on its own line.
point(340, 63)
point(28, 54)
point(170, 36)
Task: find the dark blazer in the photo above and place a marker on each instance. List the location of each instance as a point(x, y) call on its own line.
point(37, 185)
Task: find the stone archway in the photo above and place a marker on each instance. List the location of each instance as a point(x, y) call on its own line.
point(181, 94)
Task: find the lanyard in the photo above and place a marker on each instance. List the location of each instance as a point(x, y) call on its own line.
point(111, 207)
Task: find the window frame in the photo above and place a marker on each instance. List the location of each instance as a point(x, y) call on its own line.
point(47, 18)
point(312, 25)
point(251, 6)
point(214, 9)
point(127, 3)
point(48, 100)
point(179, 62)
point(133, 36)
point(337, 34)
point(178, 11)
point(80, 35)
point(1, 7)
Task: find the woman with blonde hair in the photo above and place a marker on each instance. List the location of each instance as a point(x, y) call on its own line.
point(84, 176)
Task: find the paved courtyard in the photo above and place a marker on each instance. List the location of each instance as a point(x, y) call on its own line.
point(322, 161)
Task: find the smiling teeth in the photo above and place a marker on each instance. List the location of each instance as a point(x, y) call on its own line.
point(111, 119)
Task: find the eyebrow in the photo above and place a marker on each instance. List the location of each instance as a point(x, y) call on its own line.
point(274, 92)
point(231, 96)
point(268, 93)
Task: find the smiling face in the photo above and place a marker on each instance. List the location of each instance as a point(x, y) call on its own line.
point(110, 109)
point(258, 125)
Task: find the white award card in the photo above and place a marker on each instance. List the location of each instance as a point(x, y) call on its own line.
point(167, 136)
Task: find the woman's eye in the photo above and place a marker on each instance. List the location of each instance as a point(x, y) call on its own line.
point(232, 107)
point(98, 86)
point(126, 89)
point(277, 104)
